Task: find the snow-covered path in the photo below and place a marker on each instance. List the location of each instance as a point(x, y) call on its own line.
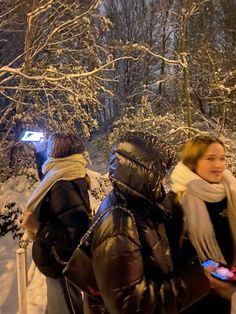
point(36, 298)
point(8, 295)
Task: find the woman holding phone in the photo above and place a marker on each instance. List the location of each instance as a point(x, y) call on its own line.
point(58, 215)
point(206, 191)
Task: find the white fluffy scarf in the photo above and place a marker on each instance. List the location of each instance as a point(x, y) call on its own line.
point(192, 191)
point(56, 169)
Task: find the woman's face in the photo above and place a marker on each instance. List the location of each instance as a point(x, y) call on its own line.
point(211, 165)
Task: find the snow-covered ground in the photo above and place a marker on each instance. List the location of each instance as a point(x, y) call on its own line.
point(17, 190)
point(36, 298)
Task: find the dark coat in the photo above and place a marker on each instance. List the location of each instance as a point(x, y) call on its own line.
point(134, 270)
point(64, 218)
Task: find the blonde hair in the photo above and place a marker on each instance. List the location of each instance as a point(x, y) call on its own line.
point(195, 148)
point(63, 145)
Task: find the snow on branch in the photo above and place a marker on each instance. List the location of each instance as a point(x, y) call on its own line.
point(18, 71)
point(174, 62)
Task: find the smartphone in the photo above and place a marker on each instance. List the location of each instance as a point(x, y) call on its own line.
point(221, 271)
point(32, 136)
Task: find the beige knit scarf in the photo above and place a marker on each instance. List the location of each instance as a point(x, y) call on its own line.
point(56, 169)
point(192, 192)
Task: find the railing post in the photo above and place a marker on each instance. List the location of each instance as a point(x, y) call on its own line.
point(26, 266)
point(21, 280)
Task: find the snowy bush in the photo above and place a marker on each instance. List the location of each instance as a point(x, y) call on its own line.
point(9, 221)
point(100, 186)
point(171, 128)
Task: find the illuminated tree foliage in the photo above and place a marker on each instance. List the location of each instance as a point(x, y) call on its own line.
point(76, 65)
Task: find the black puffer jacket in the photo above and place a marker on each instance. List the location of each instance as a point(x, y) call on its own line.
point(134, 271)
point(64, 218)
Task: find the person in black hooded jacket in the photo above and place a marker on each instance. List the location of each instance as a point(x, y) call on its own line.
point(130, 251)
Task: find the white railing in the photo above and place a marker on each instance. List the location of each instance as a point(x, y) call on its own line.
point(21, 279)
point(23, 274)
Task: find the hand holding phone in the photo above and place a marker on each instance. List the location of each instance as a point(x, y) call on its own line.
point(32, 136)
point(225, 274)
point(221, 271)
point(41, 147)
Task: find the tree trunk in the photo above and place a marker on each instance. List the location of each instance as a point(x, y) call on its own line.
point(187, 96)
point(17, 150)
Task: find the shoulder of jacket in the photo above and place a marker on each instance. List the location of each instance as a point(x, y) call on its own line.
point(116, 221)
point(62, 184)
